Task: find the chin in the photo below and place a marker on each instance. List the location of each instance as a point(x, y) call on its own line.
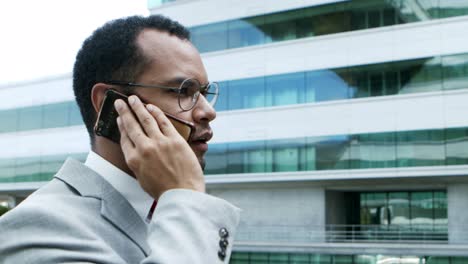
point(202, 162)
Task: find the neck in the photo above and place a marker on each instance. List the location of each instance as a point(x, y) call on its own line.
point(111, 152)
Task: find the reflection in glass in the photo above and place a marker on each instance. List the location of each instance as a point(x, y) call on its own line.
point(422, 217)
point(326, 85)
point(210, 38)
point(9, 120)
point(217, 159)
point(49, 166)
point(373, 151)
point(247, 93)
point(245, 32)
point(56, 115)
point(320, 20)
point(285, 89)
point(399, 208)
point(331, 153)
point(455, 71)
point(27, 169)
point(456, 144)
point(7, 170)
point(420, 148)
point(74, 115)
point(30, 118)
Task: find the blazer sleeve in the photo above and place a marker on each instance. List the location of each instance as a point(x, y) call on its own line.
point(191, 227)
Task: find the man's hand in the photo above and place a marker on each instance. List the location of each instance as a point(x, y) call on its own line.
point(156, 153)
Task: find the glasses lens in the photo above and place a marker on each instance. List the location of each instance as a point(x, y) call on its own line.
point(211, 93)
point(188, 93)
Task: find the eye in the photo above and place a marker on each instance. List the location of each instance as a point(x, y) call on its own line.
point(189, 87)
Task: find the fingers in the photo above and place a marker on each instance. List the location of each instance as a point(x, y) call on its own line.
point(146, 120)
point(165, 125)
point(125, 142)
point(129, 123)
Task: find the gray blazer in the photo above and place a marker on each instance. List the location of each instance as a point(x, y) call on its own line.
point(78, 217)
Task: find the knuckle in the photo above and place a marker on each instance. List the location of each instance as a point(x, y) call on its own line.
point(146, 151)
point(146, 121)
point(132, 161)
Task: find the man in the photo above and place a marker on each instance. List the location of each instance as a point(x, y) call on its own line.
point(101, 211)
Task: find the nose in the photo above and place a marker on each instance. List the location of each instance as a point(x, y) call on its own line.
point(203, 111)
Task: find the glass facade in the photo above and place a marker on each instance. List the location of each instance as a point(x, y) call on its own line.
point(402, 215)
point(391, 78)
point(377, 150)
point(309, 258)
point(154, 3)
point(362, 151)
point(32, 169)
point(39, 117)
point(318, 21)
point(411, 76)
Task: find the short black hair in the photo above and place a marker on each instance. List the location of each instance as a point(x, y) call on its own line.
point(111, 53)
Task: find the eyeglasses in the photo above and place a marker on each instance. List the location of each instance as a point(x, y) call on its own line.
point(187, 93)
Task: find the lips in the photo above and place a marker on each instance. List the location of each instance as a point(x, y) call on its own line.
point(200, 142)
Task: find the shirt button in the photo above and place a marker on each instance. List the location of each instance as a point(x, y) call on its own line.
point(223, 233)
point(222, 254)
point(223, 243)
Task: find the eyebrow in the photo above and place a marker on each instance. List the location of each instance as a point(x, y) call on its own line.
point(175, 80)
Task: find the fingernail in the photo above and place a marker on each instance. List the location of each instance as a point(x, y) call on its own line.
point(150, 108)
point(132, 99)
point(118, 104)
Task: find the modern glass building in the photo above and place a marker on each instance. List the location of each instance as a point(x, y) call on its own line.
point(342, 128)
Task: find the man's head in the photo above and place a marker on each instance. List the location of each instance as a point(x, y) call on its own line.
point(147, 50)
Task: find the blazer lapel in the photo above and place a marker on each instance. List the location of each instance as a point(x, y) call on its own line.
point(114, 207)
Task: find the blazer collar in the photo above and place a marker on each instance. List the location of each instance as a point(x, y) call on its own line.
point(114, 207)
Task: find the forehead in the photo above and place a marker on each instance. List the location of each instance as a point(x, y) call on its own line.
point(169, 57)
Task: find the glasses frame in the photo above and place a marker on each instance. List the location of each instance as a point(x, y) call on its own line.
point(202, 90)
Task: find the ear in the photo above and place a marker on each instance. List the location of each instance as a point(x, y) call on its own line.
point(98, 93)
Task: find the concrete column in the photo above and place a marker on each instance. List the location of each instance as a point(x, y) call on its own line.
point(457, 200)
point(278, 214)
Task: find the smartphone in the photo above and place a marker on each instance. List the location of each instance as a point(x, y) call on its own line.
point(106, 123)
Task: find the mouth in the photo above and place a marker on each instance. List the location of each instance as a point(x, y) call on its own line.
point(200, 142)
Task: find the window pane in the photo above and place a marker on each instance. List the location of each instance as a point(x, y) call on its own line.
point(422, 218)
point(30, 118)
point(440, 209)
point(50, 166)
point(331, 153)
point(373, 151)
point(343, 259)
point(28, 169)
point(422, 75)
point(246, 32)
point(299, 258)
point(365, 259)
point(437, 260)
point(222, 102)
point(210, 37)
point(286, 154)
point(326, 85)
point(247, 93)
point(55, 115)
point(285, 89)
point(7, 170)
point(399, 208)
point(456, 146)
point(9, 120)
point(455, 71)
point(321, 259)
point(421, 148)
point(216, 159)
point(74, 114)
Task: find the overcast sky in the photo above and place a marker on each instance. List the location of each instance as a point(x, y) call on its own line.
point(41, 38)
